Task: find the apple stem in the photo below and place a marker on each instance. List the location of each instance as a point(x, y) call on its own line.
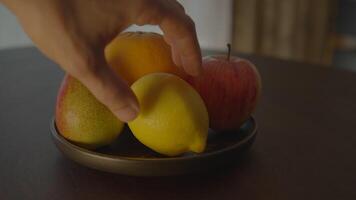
point(228, 51)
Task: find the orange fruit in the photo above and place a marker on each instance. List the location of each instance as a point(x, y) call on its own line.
point(135, 54)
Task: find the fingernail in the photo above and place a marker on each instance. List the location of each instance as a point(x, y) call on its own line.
point(198, 71)
point(127, 114)
point(195, 71)
point(135, 107)
point(192, 69)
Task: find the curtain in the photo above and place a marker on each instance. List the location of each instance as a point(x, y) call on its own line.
point(300, 30)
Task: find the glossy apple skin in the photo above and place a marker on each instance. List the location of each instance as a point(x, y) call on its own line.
point(230, 89)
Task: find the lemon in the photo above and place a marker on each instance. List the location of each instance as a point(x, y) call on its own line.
point(173, 118)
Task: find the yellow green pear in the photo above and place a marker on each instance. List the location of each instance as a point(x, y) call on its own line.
point(82, 119)
point(173, 118)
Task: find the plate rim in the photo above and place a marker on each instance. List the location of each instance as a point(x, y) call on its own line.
point(55, 135)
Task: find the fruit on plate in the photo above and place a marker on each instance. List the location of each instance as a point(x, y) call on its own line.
point(82, 119)
point(230, 87)
point(135, 54)
point(173, 118)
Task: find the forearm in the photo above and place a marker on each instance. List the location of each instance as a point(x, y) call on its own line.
point(18, 6)
point(10, 3)
point(13, 4)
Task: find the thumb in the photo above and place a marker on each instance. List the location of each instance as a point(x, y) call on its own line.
point(108, 88)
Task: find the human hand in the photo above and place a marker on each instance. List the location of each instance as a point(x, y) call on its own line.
point(74, 33)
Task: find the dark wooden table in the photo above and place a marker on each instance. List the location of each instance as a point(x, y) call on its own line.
point(306, 147)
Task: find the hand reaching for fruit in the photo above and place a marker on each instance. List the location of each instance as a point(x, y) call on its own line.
point(176, 110)
point(74, 34)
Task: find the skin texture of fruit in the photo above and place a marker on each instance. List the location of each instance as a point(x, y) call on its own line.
point(82, 119)
point(230, 89)
point(135, 54)
point(173, 118)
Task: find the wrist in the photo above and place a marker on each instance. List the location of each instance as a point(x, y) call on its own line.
point(11, 4)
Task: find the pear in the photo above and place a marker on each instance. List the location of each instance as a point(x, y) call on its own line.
point(82, 119)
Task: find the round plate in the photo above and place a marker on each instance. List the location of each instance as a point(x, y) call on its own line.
point(128, 156)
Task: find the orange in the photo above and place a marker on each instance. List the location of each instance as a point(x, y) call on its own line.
point(135, 54)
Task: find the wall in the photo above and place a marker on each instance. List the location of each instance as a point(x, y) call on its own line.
point(11, 34)
point(212, 18)
point(346, 26)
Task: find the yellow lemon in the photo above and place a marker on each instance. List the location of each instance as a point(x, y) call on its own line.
point(173, 118)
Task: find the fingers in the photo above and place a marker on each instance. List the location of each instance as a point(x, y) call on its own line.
point(179, 32)
point(184, 44)
point(108, 88)
point(176, 57)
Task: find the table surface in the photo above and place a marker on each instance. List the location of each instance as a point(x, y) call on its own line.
point(306, 147)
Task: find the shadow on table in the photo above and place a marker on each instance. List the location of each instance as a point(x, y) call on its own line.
point(176, 187)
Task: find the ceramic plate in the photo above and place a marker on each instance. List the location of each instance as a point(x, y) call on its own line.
point(128, 156)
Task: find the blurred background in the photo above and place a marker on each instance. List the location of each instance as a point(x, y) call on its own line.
point(312, 31)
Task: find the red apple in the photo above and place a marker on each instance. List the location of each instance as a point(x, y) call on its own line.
point(230, 88)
